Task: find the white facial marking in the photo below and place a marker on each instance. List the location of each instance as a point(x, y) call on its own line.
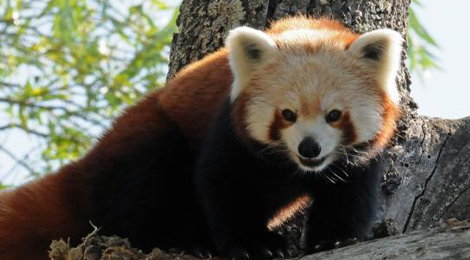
point(319, 130)
point(259, 119)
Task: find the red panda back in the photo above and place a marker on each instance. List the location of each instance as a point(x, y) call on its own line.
point(192, 98)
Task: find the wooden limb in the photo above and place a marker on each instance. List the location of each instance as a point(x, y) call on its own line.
point(449, 242)
point(428, 178)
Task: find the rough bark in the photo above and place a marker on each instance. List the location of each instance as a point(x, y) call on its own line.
point(451, 242)
point(427, 180)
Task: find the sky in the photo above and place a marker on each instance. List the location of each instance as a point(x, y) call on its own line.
point(446, 92)
point(442, 93)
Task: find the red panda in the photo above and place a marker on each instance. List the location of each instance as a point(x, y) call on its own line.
point(233, 145)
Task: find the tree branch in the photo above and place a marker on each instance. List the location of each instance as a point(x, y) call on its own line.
point(449, 242)
point(29, 131)
point(17, 160)
point(52, 108)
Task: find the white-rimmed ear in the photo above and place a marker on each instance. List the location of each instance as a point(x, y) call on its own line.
point(381, 49)
point(248, 49)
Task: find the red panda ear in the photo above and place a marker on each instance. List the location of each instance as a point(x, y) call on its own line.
point(248, 49)
point(381, 50)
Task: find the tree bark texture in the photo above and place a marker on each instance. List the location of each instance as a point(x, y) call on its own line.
point(427, 178)
point(451, 242)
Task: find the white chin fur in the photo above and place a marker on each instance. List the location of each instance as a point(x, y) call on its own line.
point(328, 160)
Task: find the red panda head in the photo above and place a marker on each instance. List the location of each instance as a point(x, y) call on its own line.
point(315, 90)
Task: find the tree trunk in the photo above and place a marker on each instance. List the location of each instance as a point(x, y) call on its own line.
point(427, 178)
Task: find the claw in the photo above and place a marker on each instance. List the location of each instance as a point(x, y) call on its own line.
point(266, 253)
point(199, 254)
point(246, 256)
point(243, 256)
point(239, 254)
point(279, 253)
point(337, 244)
point(317, 247)
point(291, 251)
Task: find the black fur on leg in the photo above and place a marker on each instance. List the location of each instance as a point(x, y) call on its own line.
point(240, 192)
point(343, 210)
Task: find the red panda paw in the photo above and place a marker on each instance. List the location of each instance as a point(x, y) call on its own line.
point(280, 245)
point(198, 252)
point(331, 244)
point(240, 253)
point(272, 246)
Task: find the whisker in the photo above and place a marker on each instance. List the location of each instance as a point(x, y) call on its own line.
point(339, 168)
point(337, 176)
point(328, 177)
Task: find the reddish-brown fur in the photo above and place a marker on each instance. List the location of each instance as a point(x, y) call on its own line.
point(302, 22)
point(344, 35)
point(390, 117)
point(57, 206)
point(38, 212)
point(277, 125)
point(349, 133)
point(191, 99)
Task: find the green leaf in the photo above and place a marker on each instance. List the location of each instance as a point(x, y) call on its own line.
point(75, 64)
point(420, 56)
point(3, 186)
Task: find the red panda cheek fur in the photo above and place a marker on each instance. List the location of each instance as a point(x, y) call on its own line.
point(276, 126)
point(391, 114)
point(347, 127)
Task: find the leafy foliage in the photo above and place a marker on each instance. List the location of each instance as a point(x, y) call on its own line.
point(420, 44)
point(67, 67)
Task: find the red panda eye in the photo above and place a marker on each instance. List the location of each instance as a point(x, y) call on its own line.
point(333, 116)
point(289, 115)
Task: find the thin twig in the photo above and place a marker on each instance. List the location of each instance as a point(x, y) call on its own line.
point(29, 131)
point(17, 160)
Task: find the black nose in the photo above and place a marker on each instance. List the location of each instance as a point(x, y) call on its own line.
point(308, 148)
